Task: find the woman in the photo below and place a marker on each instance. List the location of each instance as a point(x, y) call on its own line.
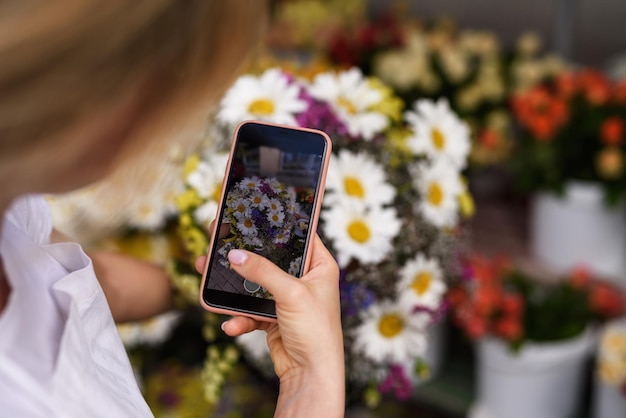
point(83, 85)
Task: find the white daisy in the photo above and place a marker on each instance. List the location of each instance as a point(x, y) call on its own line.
point(250, 183)
point(269, 97)
point(253, 241)
point(440, 187)
point(352, 98)
point(439, 133)
point(247, 227)
point(357, 176)
point(240, 207)
point(282, 237)
point(274, 205)
point(208, 176)
point(294, 266)
point(361, 234)
point(259, 200)
point(276, 218)
point(421, 281)
point(390, 332)
point(152, 331)
point(205, 213)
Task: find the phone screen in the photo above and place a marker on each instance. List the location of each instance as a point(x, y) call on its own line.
point(272, 188)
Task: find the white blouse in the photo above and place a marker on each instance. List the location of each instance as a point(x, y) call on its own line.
point(60, 353)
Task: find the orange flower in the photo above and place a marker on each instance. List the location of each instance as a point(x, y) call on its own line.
point(487, 299)
point(580, 277)
point(595, 86)
point(619, 92)
point(457, 296)
point(566, 85)
point(541, 112)
point(512, 305)
point(610, 162)
point(476, 326)
point(489, 138)
point(612, 130)
point(606, 300)
point(509, 328)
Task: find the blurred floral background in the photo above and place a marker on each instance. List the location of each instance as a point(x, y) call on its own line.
point(475, 204)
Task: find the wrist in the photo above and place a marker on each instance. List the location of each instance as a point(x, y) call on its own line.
point(320, 392)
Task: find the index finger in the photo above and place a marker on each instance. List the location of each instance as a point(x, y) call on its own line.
point(279, 283)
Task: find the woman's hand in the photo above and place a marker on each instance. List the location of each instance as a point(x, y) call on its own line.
point(306, 343)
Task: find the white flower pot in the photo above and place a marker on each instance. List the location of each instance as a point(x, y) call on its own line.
point(540, 381)
point(579, 229)
point(608, 402)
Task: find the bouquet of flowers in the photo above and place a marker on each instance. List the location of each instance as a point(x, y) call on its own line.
point(571, 127)
point(497, 299)
point(436, 59)
point(392, 213)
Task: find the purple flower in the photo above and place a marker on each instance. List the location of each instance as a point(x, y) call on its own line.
point(354, 296)
point(397, 382)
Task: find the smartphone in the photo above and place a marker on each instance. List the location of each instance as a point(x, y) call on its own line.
point(270, 204)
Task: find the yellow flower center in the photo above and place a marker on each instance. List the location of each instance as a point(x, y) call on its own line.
point(421, 282)
point(261, 107)
point(390, 325)
point(275, 217)
point(439, 141)
point(435, 194)
point(347, 105)
point(353, 187)
point(257, 200)
point(241, 208)
point(359, 231)
point(248, 223)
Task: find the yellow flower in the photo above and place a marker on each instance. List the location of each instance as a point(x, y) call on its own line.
point(390, 105)
point(187, 200)
point(191, 164)
point(400, 152)
point(466, 201)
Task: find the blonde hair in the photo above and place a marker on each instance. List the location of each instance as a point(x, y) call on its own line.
point(67, 60)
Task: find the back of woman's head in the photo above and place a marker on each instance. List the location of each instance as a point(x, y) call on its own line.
point(66, 61)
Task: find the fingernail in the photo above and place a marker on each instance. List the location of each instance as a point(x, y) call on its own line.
point(223, 325)
point(237, 257)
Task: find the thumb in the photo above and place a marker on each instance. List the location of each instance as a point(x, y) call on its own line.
point(261, 271)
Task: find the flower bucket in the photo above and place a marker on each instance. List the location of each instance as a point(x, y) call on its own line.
point(579, 229)
point(540, 381)
point(608, 401)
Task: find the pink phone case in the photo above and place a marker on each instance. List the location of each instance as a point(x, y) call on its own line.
point(312, 225)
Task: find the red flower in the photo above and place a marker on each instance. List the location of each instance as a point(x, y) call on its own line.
point(606, 300)
point(512, 304)
point(509, 328)
point(487, 299)
point(489, 138)
point(457, 296)
point(541, 112)
point(595, 86)
point(476, 326)
point(612, 130)
point(580, 277)
point(619, 92)
point(566, 85)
